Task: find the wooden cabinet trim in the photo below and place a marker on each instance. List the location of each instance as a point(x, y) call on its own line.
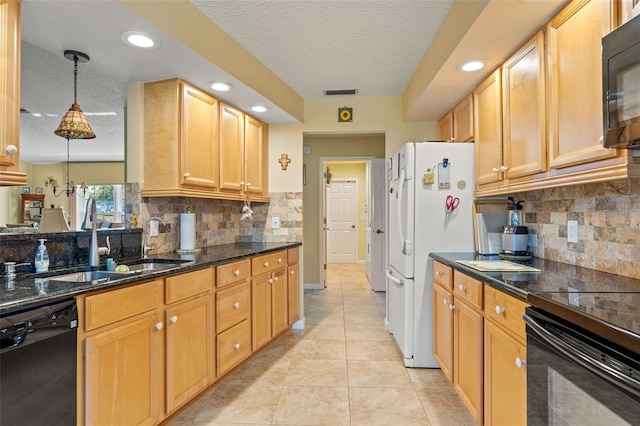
point(178, 287)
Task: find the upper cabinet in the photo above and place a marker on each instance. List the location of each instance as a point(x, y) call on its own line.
point(523, 113)
point(243, 154)
point(10, 174)
point(457, 124)
point(575, 77)
point(196, 146)
point(487, 103)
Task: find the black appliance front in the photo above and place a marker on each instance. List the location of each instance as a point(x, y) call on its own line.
point(577, 378)
point(38, 366)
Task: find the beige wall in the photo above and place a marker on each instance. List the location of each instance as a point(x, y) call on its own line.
point(356, 171)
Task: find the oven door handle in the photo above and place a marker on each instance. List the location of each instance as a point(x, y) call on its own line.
point(582, 359)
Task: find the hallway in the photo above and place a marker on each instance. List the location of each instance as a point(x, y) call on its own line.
point(342, 369)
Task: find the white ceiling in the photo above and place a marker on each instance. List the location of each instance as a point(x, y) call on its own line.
point(374, 46)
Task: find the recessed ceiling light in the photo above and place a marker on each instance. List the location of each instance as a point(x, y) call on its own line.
point(139, 39)
point(473, 65)
point(259, 108)
point(221, 86)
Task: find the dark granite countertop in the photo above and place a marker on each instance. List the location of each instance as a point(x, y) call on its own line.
point(27, 290)
point(603, 303)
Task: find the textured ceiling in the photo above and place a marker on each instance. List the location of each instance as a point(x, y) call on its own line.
point(373, 46)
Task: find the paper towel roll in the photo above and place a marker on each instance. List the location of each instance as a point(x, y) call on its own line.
point(187, 231)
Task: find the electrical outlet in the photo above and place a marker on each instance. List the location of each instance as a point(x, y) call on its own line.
point(533, 240)
point(572, 231)
point(275, 222)
point(574, 297)
point(153, 228)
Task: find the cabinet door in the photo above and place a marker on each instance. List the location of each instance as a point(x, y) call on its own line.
point(123, 374)
point(445, 127)
point(260, 311)
point(293, 300)
point(463, 120)
point(505, 378)
point(10, 101)
point(467, 357)
point(231, 148)
point(255, 156)
point(189, 349)
point(279, 313)
point(443, 330)
point(487, 108)
point(200, 135)
point(523, 113)
point(575, 79)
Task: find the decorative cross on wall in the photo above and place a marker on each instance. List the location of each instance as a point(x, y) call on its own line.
point(284, 161)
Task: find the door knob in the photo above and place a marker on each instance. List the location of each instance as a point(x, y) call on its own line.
point(353, 226)
point(379, 231)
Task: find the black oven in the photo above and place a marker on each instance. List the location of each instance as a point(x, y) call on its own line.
point(621, 86)
point(575, 377)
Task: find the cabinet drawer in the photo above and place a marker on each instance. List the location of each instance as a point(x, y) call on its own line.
point(234, 345)
point(292, 255)
point(443, 275)
point(233, 272)
point(186, 285)
point(233, 305)
point(113, 306)
point(268, 262)
point(467, 288)
point(505, 310)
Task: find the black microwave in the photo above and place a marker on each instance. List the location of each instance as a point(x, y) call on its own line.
point(621, 86)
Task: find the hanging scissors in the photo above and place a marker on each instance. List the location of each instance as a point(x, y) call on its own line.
point(451, 204)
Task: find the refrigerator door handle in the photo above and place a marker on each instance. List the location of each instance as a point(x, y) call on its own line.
point(394, 279)
point(407, 246)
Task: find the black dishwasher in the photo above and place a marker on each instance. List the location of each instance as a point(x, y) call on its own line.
point(38, 365)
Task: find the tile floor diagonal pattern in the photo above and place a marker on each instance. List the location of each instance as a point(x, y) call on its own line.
point(342, 369)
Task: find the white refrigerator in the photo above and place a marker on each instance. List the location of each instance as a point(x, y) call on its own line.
point(421, 176)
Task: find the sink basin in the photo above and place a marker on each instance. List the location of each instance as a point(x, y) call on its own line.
point(93, 277)
point(152, 266)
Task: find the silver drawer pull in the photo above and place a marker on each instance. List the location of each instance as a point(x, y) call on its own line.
point(173, 319)
point(279, 260)
point(499, 309)
point(236, 272)
point(291, 272)
point(158, 326)
point(265, 264)
point(236, 346)
point(236, 305)
point(520, 363)
point(462, 288)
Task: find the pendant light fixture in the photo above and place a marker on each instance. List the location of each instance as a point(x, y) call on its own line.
point(74, 124)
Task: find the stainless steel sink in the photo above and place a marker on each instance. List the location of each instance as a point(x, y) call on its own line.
point(152, 266)
point(93, 277)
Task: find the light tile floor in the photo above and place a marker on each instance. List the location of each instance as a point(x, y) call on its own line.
point(342, 369)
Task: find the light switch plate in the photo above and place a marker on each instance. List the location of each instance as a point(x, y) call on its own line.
point(153, 228)
point(275, 222)
point(572, 231)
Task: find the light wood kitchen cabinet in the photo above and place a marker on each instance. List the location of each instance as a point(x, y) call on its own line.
point(269, 314)
point(628, 9)
point(189, 349)
point(505, 374)
point(293, 284)
point(575, 78)
point(181, 136)
point(243, 154)
point(463, 120)
point(445, 127)
point(468, 343)
point(123, 371)
point(524, 110)
point(443, 329)
point(10, 13)
point(487, 107)
point(189, 341)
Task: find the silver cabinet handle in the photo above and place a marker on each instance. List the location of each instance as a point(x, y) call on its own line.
point(236, 272)
point(187, 175)
point(520, 363)
point(451, 307)
point(173, 319)
point(158, 326)
point(236, 305)
point(279, 260)
point(291, 272)
point(495, 170)
point(236, 346)
point(462, 288)
point(503, 168)
point(265, 264)
point(499, 309)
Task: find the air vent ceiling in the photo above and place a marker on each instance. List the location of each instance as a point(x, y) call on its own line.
point(340, 92)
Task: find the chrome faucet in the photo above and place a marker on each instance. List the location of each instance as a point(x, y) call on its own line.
point(90, 223)
point(145, 247)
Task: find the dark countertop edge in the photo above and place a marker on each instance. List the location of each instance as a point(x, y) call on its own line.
point(247, 248)
point(474, 273)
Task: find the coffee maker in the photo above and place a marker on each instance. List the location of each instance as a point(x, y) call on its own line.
point(515, 236)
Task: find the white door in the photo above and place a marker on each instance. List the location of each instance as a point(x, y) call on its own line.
point(341, 222)
point(376, 244)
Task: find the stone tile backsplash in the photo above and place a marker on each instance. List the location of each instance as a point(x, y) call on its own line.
point(218, 221)
point(608, 216)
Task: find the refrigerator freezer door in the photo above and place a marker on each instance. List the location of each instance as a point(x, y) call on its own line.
point(400, 316)
point(401, 212)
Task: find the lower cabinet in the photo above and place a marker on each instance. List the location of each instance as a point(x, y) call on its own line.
point(480, 344)
point(147, 349)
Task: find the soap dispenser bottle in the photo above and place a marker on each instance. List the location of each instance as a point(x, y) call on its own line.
point(42, 257)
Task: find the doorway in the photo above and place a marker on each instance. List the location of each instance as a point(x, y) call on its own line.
point(341, 214)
